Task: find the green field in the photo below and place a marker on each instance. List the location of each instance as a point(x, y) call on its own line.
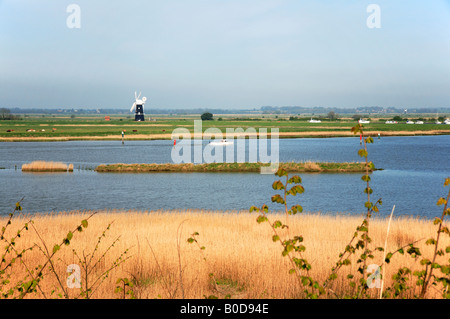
point(85, 127)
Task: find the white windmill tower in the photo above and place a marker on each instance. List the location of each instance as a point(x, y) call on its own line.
point(138, 106)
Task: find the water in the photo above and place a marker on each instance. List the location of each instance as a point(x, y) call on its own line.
point(414, 169)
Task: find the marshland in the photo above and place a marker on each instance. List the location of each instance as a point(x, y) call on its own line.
point(190, 234)
point(238, 252)
point(85, 127)
point(307, 166)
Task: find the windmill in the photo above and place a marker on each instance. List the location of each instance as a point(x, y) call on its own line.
point(138, 105)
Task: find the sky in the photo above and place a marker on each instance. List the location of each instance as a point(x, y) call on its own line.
point(228, 54)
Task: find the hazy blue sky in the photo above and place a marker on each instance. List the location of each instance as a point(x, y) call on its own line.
point(224, 53)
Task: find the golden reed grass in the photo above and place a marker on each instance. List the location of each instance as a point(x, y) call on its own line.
point(45, 166)
point(239, 252)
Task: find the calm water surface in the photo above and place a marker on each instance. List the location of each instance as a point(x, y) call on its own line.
point(414, 169)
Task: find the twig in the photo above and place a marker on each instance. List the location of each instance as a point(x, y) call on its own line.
point(179, 257)
point(160, 270)
point(385, 247)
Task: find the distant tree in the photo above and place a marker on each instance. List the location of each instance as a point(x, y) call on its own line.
point(332, 116)
point(206, 116)
point(5, 113)
point(356, 117)
point(397, 118)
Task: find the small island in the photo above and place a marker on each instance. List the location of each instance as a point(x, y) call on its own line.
point(294, 167)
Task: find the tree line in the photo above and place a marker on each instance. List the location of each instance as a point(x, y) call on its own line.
point(5, 114)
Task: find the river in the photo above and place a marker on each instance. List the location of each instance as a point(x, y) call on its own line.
point(414, 170)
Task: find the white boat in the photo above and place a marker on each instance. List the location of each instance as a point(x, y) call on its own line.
point(437, 122)
point(221, 143)
point(314, 121)
point(409, 122)
point(447, 121)
point(361, 121)
point(391, 122)
point(419, 122)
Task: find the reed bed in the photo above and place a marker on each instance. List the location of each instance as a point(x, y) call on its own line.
point(239, 252)
point(309, 166)
point(47, 166)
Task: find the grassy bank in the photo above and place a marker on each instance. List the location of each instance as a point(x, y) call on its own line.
point(239, 252)
point(325, 167)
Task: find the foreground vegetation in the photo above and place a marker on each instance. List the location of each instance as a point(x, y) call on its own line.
point(238, 252)
point(324, 167)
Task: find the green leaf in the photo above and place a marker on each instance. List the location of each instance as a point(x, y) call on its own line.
point(281, 172)
point(356, 129)
point(445, 269)
point(277, 185)
point(277, 224)
point(447, 181)
point(261, 219)
point(84, 223)
point(56, 248)
point(425, 261)
point(69, 236)
point(278, 199)
point(441, 201)
point(297, 189)
point(362, 152)
point(296, 209)
point(253, 208)
point(305, 281)
point(295, 179)
point(388, 258)
point(275, 238)
point(368, 204)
